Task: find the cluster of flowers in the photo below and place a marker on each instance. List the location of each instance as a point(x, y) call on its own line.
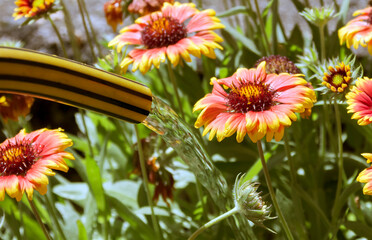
point(258, 102)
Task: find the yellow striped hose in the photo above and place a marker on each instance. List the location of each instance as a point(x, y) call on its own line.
point(73, 83)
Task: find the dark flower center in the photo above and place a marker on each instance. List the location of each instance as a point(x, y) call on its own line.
point(338, 78)
point(370, 17)
point(163, 32)
point(17, 158)
point(254, 97)
point(278, 64)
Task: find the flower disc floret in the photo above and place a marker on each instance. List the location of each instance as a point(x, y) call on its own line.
point(175, 32)
point(338, 78)
point(28, 158)
point(254, 103)
point(358, 31)
point(359, 101)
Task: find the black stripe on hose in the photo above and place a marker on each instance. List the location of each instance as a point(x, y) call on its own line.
point(72, 103)
point(75, 90)
point(79, 74)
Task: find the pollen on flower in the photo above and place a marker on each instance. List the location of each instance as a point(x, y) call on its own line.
point(338, 78)
point(17, 158)
point(163, 32)
point(250, 97)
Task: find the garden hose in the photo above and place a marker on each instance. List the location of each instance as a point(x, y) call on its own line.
point(69, 82)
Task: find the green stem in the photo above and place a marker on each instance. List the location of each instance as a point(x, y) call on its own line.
point(58, 35)
point(71, 32)
point(91, 28)
point(37, 216)
point(339, 161)
point(174, 82)
point(52, 211)
point(322, 43)
point(86, 29)
point(166, 93)
point(200, 196)
point(272, 193)
point(214, 221)
point(82, 113)
point(290, 159)
point(262, 27)
point(146, 183)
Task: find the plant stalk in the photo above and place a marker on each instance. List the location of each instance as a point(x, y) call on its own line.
point(58, 35)
point(272, 193)
point(174, 82)
point(37, 216)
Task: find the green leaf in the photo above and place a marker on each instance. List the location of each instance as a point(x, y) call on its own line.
point(72, 191)
point(359, 228)
point(95, 183)
point(125, 190)
point(248, 43)
point(135, 222)
point(82, 232)
point(233, 11)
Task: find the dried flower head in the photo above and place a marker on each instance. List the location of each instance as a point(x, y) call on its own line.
point(278, 64)
point(113, 12)
point(13, 105)
point(144, 7)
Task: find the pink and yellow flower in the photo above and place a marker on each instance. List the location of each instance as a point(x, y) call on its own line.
point(366, 175)
point(255, 103)
point(13, 105)
point(144, 7)
point(358, 31)
point(28, 158)
point(359, 100)
point(176, 31)
point(31, 8)
point(113, 13)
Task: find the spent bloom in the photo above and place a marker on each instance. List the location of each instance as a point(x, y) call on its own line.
point(254, 103)
point(13, 105)
point(366, 175)
point(358, 30)
point(32, 8)
point(28, 158)
point(176, 31)
point(144, 7)
point(359, 101)
point(113, 12)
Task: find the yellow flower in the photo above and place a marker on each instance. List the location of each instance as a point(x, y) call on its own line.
point(31, 8)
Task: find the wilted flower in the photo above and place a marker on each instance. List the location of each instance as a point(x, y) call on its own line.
point(366, 175)
point(278, 64)
point(113, 13)
point(255, 103)
point(156, 173)
point(28, 158)
point(249, 202)
point(31, 8)
point(144, 7)
point(359, 100)
point(319, 16)
point(13, 105)
point(358, 31)
point(176, 31)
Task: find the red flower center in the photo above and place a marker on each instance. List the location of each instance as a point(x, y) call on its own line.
point(163, 32)
point(338, 77)
point(254, 97)
point(370, 17)
point(17, 158)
